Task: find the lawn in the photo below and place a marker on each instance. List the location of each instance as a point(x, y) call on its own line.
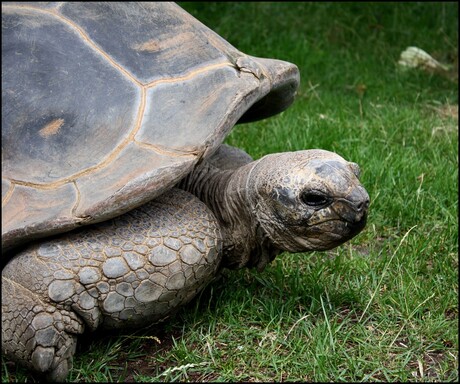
point(383, 307)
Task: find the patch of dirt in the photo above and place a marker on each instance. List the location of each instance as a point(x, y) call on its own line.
point(449, 114)
point(451, 313)
point(449, 111)
point(427, 367)
point(353, 314)
point(147, 365)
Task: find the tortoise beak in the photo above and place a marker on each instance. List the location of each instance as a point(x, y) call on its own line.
point(353, 209)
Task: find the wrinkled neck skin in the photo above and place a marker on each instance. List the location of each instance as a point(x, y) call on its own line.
point(225, 193)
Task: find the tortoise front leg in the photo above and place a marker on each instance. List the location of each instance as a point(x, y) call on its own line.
point(35, 332)
point(134, 270)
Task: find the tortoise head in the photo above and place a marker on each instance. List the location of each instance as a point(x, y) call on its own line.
point(308, 200)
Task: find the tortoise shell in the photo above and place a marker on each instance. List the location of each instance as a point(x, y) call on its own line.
point(108, 105)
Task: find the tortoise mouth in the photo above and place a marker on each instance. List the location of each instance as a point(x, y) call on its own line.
point(321, 236)
point(337, 231)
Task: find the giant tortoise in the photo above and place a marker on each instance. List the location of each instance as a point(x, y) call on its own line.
point(120, 201)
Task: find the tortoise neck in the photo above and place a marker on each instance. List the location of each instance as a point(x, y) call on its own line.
point(209, 184)
point(226, 193)
point(250, 245)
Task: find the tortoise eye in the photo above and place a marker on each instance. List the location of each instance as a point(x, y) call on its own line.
point(314, 199)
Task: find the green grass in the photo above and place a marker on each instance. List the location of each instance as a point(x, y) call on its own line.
point(383, 307)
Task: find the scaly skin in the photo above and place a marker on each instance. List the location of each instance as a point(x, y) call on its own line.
point(139, 268)
point(263, 209)
point(134, 270)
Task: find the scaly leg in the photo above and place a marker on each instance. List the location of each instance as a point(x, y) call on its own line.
point(131, 271)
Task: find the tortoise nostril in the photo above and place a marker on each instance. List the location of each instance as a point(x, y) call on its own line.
point(363, 205)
